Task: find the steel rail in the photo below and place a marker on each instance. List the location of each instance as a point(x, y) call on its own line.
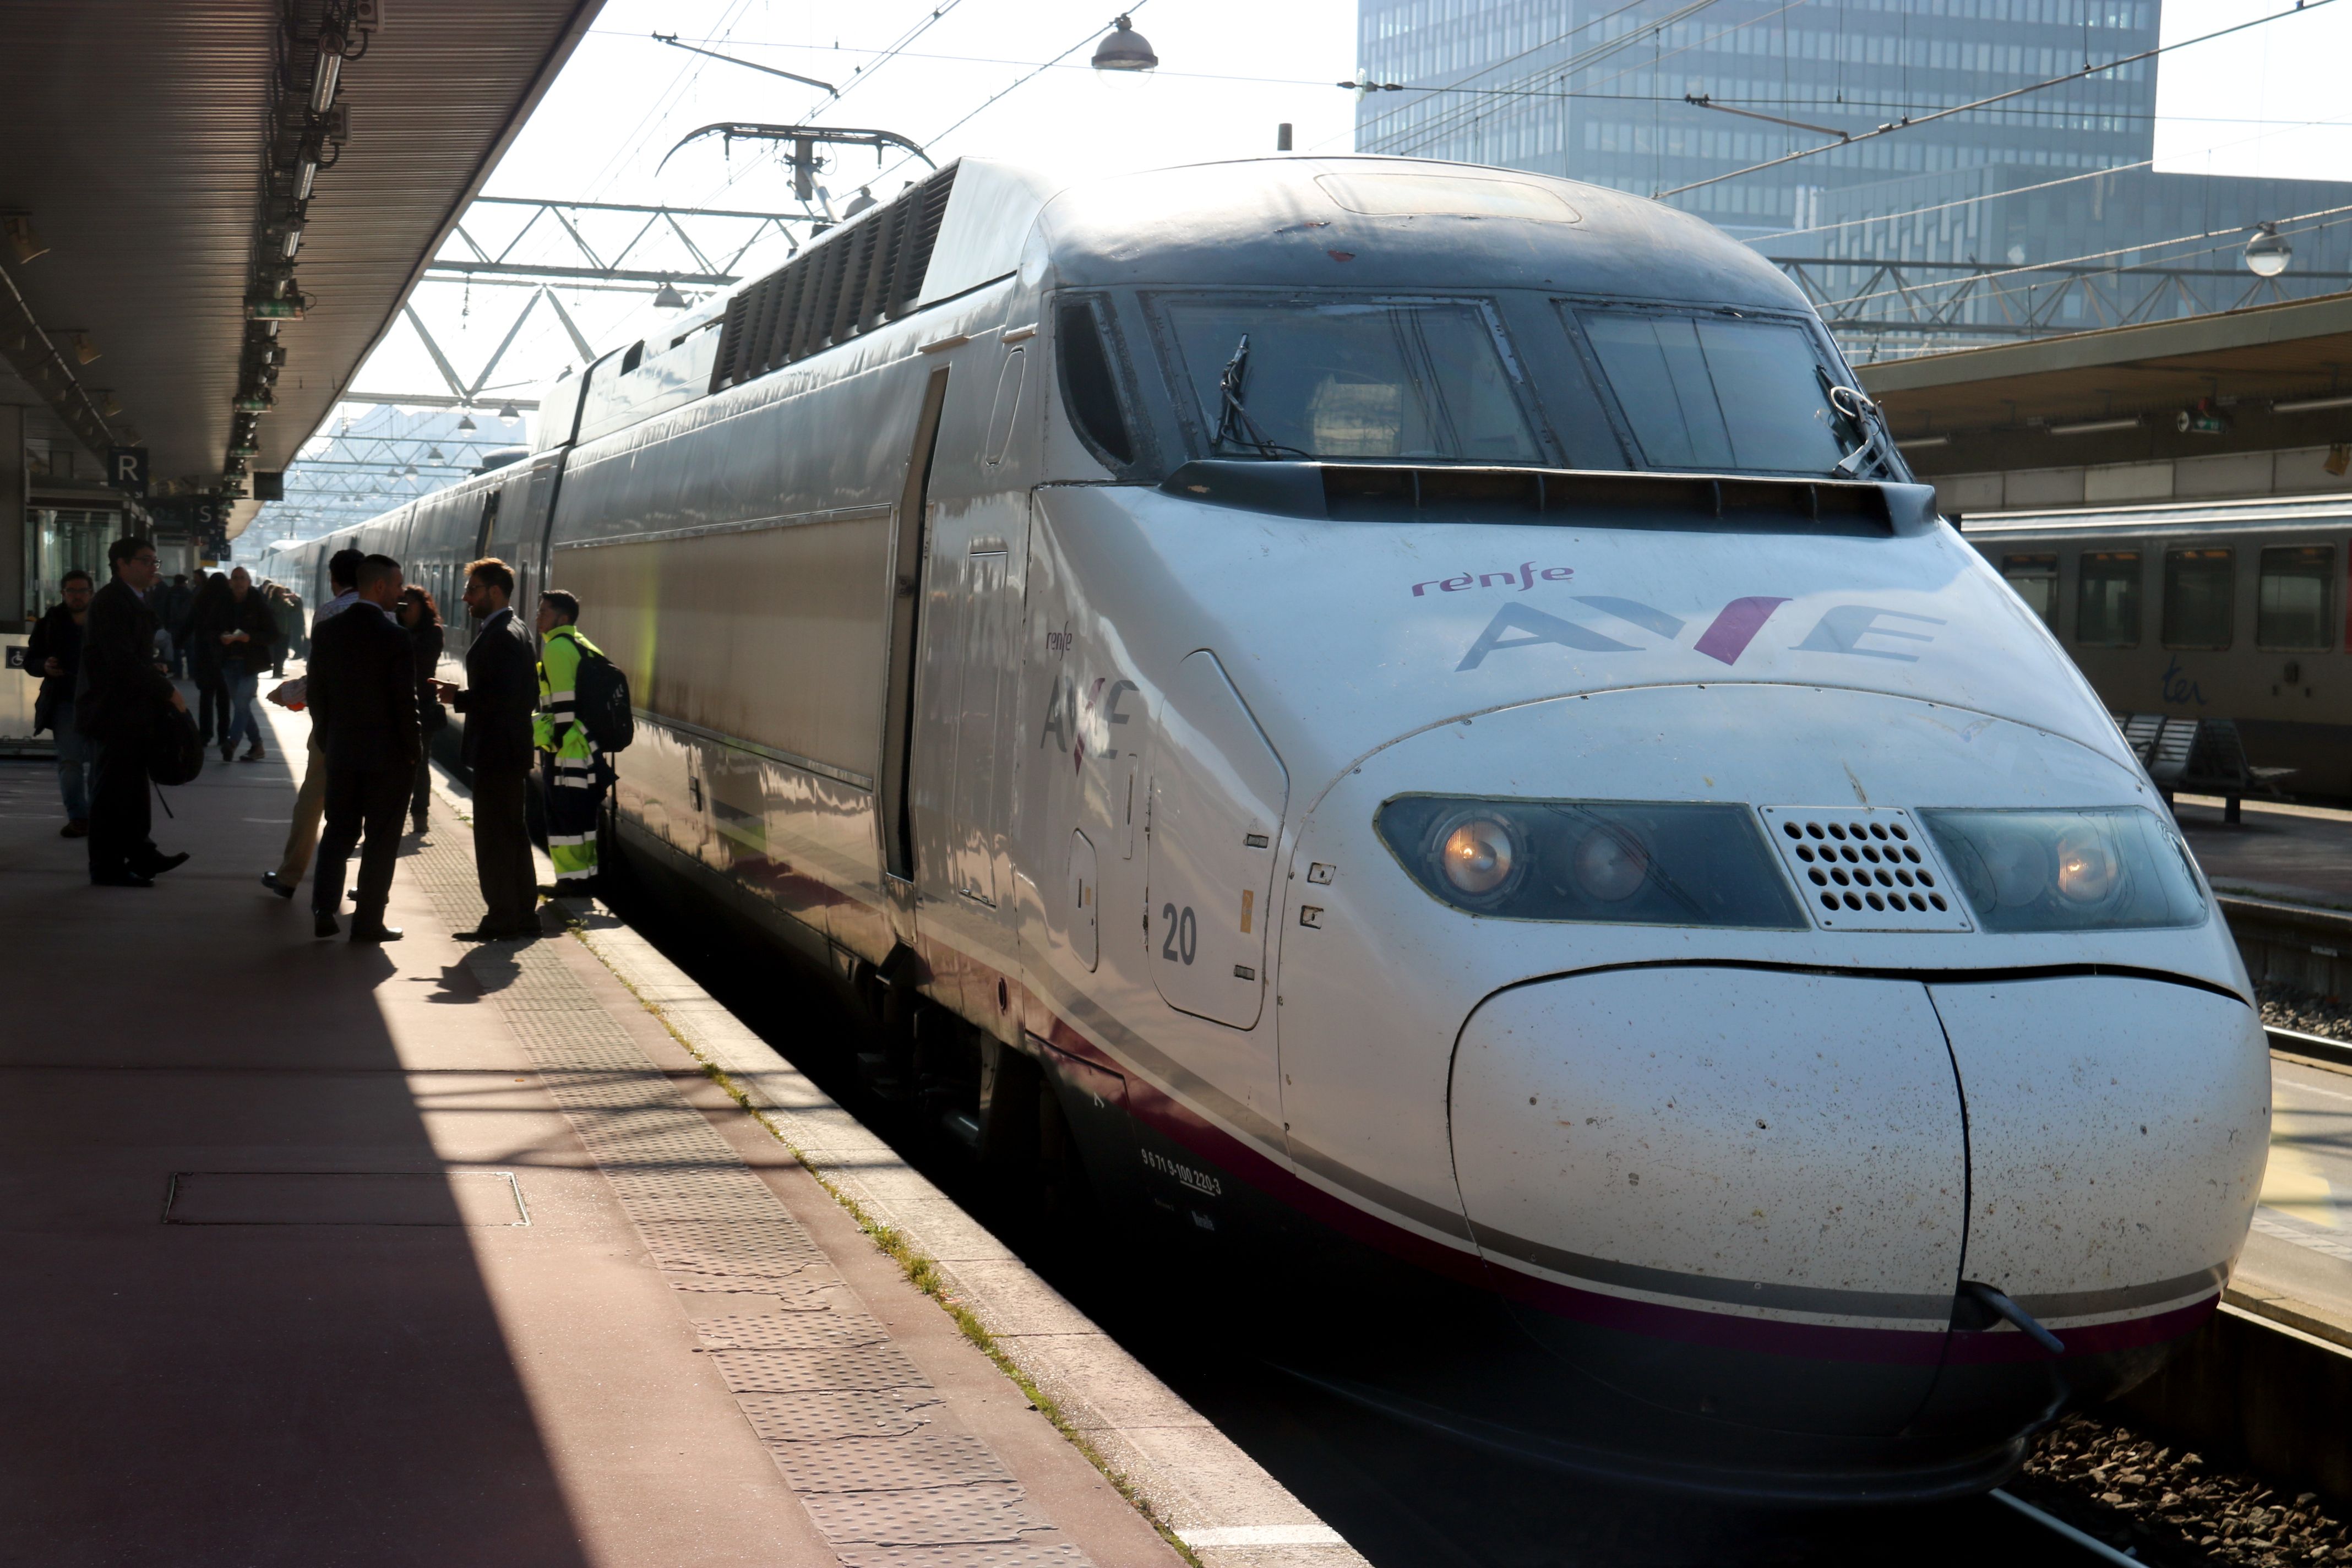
point(2059, 1526)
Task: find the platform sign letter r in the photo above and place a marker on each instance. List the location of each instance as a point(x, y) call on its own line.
point(126, 469)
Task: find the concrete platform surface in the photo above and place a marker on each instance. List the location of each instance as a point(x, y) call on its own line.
point(2302, 854)
point(439, 1254)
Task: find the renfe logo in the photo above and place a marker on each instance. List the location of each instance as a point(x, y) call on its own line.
point(1841, 629)
point(1525, 577)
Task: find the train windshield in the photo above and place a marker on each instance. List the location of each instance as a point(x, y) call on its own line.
point(1419, 381)
point(1721, 394)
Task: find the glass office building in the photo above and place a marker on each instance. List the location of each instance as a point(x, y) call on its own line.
point(1600, 90)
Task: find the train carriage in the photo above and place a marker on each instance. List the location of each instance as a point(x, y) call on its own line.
point(2232, 610)
point(1419, 703)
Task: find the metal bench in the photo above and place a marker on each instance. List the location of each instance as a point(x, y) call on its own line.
point(2206, 756)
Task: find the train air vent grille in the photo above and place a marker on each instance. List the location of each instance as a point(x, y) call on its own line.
point(1865, 869)
point(852, 281)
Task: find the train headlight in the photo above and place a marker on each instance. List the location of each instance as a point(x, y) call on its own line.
point(2109, 868)
point(1609, 864)
point(2088, 868)
point(1478, 856)
point(1623, 862)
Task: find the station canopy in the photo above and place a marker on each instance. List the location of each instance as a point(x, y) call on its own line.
point(2264, 354)
point(180, 180)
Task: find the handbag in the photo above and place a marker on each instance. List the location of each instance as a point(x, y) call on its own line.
point(175, 750)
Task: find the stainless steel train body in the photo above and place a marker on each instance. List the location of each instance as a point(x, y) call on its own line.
point(2224, 610)
point(1381, 680)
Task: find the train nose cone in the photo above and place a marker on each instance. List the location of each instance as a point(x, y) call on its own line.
point(2118, 1132)
point(1734, 1193)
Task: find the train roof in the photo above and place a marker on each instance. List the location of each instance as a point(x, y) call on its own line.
point(1395, 223)
point(2269, 511)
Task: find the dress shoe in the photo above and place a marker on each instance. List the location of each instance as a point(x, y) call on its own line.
point(228, 750)
point(256, 754)
point(322, 925)
point(77, 828)
point(499, 933)
point(162, 863)
point(120, 879)
point(375, 934)
point(283, 889)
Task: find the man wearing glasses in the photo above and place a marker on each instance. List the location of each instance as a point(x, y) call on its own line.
point(119, 691)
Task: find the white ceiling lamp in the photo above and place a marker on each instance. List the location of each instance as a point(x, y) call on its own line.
point(667, 298)
point(466, 425)
point(2268, 252)
point(506, 410)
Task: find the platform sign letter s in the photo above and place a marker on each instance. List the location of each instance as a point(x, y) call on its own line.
point(126, 469)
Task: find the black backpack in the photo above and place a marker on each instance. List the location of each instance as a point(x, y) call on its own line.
point(600, 700)
point(174, 750)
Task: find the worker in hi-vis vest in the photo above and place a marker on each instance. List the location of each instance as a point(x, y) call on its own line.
point(576, 773)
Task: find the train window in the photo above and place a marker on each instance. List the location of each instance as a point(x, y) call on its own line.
point(2197, 591)
point(1704, 392)
point(2294, 608)
point(1416, 380)
point(2107, 599)
point(1089, 385)
point(2035, 578)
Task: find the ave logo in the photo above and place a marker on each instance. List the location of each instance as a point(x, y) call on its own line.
point(1861, 631)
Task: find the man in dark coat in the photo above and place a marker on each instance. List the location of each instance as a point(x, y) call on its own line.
point(363, 704)
point(498, 700)
point(54, 655)
point(245, 638)
point(119, 694)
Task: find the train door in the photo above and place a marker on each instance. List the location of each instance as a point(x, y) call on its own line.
point(910, 548)
point(1218, 791)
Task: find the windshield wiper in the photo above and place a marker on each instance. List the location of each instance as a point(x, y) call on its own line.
point(1861, 416)
point(1234, 426)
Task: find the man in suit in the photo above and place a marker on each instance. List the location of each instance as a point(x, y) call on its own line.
point(364, 709)
point(498, 700)
point(120, 691)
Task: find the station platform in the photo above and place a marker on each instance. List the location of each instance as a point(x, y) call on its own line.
point(2301, 854)
point(440, 1254)
point(2297, 1266)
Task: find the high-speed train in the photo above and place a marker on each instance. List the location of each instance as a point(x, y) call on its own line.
point(1418, 707)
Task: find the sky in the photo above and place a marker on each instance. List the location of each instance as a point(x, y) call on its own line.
point(2244, 105)
point(1231, 71)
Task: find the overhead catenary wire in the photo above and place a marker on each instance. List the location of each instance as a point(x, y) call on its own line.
point(1777, 234)
point(1447, 122)
point(1548, 43)
point(1018, 83)
point(1911, 121)
point(889, 52)
point(2232, 232)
